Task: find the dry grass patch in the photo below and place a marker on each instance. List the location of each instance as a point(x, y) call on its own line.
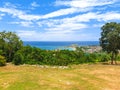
point(76, 77)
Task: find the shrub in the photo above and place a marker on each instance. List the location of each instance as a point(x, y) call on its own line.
point(0, 52)
point(2, 61)
point(18, 58)
point(105, 57)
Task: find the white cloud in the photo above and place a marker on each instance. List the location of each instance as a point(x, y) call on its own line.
point(84, 3)
point(10, 5)
point(24, 16)
point(63, 12)
point(61, 26)
point(97, 25)
point(77, 23)
point(48, 22)
point(93, 16)
point(75, 7)
point(82, 17)
point(24, 23)
point(29, 17)
point(33, 35)
point(38, 36)
point(34, 4)
point(1, 16)
point(67, 27)
point(109, 16)
point(25, 33)
point(20, 14)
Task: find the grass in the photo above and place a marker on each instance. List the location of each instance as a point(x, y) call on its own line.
point(75, 77)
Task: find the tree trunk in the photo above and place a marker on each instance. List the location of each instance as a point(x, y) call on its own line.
point(112, 61)
point(115, 59)
point(115, 62)
point(112, 58)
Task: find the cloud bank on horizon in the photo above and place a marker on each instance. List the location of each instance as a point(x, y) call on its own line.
point(58, 20)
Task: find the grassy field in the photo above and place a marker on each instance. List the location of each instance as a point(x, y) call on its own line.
point(76, 77)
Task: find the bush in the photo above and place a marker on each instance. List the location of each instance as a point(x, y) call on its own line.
point(2, 61)
point(105, 57)
point(18, 59)
point(0, 52)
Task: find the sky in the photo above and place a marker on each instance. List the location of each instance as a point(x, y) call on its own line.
point(58, 20)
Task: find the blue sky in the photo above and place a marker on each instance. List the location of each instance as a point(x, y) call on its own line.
point(57, 20)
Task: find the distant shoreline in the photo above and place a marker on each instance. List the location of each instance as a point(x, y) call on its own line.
point(53, 45)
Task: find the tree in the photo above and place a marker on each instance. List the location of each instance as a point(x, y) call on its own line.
point(9, 44)
point(110, 39)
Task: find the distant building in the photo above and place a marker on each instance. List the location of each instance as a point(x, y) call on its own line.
point(92, 49)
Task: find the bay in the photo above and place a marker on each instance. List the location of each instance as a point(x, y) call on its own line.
point(53, 45)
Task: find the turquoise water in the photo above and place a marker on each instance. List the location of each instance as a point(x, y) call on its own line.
point(60, 45)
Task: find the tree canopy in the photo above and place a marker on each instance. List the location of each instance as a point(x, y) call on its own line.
point(110, 39)
point(9, 44)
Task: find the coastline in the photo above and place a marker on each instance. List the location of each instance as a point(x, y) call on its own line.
point(60, 45)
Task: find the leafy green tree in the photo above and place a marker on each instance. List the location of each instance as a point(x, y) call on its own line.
point(110, 39)
point(9, 44)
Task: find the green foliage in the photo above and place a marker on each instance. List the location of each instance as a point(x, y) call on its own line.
point(33, 55)
point(9, 44)
point(110, 39)
point(118, 57)
point(104, 57)
point(18, 58)
point(2, 61)
point(1, 52)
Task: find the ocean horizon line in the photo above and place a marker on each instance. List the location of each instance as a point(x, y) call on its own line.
point(52, 45)
point(62, 41)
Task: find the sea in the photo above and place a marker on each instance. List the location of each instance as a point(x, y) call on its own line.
point(54, 45)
